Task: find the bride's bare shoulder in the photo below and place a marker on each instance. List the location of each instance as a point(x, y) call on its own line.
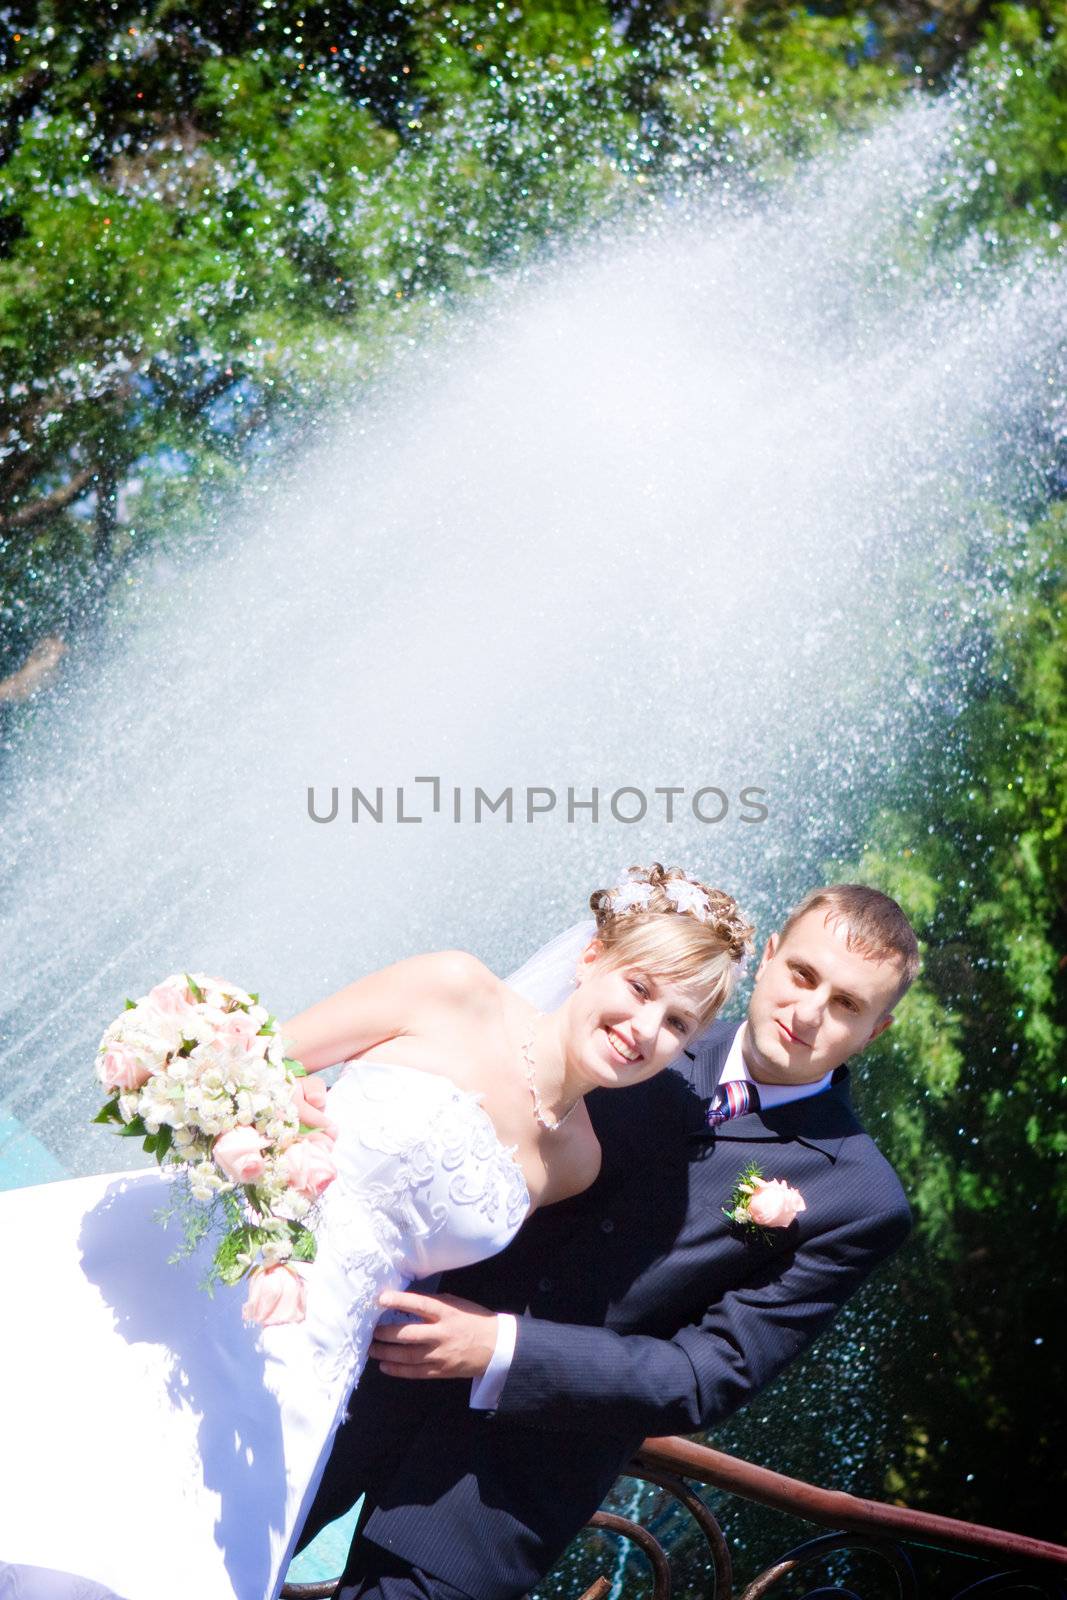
point(459, 977)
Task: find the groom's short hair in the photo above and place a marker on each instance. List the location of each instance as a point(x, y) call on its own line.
point(875, 925)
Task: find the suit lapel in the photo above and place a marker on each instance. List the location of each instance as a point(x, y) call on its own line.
point(702, 1068)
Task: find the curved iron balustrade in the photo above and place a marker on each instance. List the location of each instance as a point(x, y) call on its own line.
point(880, 1530)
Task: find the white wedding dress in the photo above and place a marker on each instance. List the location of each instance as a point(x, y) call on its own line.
point(156, 1446)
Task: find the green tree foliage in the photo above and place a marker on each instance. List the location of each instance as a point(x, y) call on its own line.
point(209, 212)
point(203, 212)
point(969, 1088)
point(1012, 188)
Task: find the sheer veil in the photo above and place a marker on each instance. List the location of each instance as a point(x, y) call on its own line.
point(548, 977)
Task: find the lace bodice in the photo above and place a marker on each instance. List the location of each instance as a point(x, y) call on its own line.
point(424, 1185)
point(442, 1188)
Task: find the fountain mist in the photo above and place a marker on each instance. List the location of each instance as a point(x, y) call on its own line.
point(697, 506)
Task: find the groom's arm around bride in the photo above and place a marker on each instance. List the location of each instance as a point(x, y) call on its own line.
point(640, 1306)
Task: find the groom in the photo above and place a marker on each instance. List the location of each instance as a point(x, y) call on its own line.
point(638, 1307)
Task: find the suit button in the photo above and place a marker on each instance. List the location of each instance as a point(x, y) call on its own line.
point(544, 1284)
point(607, 1226)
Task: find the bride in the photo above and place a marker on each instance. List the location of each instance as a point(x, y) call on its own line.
point(159, 1447)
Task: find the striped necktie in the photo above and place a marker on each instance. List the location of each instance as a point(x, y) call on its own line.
point(733, 1100)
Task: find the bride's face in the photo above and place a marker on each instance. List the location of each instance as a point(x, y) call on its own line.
point(627, 1023)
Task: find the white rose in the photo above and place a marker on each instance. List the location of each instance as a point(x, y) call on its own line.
point(275, 1052)
point(245, 1110)
point(154, 1043)
point(156, 1102)
point(112, 1034)
point(219, 992)
point(292, 1205)
point(275, 1251)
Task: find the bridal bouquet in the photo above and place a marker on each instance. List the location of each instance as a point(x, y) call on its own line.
point(198, 1070)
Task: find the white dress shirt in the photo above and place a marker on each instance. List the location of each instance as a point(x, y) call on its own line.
point(486, 1390)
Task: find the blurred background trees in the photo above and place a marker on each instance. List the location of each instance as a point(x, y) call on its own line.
point(209, 214)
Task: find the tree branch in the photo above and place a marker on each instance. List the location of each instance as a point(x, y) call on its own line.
point(15, 464)
point(40, 510)
point(191, 405)
point(36, 671)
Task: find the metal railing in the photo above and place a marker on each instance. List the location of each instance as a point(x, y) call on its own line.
point(1010, 1561)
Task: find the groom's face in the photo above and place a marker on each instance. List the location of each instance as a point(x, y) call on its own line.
point(815, 1002)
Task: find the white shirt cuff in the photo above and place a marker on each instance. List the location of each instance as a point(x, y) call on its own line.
point(486, 1390)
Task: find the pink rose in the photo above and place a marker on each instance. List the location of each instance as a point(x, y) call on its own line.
point(168, 1001)
point(275, 1294)
point(239, 1154)
point(240, 1026)
point(307, 1166)
point(773, 1204)
point(122, 1068)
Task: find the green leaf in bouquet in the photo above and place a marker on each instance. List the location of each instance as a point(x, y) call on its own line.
point(195, 990)
point(233, 1254)
point(269, 1028)
point(157, 1144)
point(134, 1129)
point(196, 1221)
point(254, 999)
point(260, 1203)
point(110, 1112)
point(294, 1069)
point(130, 1005)
point(304, 1246)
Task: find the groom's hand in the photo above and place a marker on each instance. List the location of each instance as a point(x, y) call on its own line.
point(453, 1339)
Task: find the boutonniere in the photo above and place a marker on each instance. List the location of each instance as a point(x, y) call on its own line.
point(760, 1203)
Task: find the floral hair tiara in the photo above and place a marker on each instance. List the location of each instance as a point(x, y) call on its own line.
point(685, 895)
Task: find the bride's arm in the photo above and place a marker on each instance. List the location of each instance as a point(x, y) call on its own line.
point(402, 999)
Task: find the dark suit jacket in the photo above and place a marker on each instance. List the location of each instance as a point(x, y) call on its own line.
point(643, 1310)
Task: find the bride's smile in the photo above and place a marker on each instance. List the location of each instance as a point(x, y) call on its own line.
point(626, 1051)
point(622, 1025)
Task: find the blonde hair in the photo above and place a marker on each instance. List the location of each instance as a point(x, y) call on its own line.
point(701, 952)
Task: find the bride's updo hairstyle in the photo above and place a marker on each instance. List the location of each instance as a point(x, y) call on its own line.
point(675, 928)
